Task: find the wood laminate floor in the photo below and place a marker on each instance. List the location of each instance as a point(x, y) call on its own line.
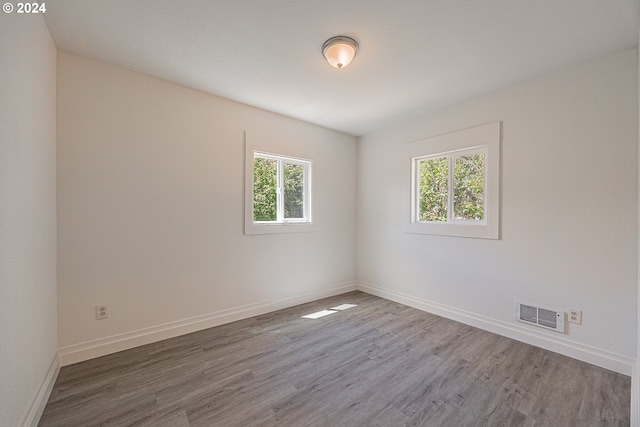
point(377, 364)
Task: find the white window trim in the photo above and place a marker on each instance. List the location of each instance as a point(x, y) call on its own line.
point(482, 138)
point(278, 148)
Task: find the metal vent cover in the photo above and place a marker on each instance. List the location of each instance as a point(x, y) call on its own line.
point(542, 317)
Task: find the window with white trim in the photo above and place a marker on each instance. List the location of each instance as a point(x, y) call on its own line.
point(278, 185)
point(455, 183)
point(281, 190)
point(450, 187)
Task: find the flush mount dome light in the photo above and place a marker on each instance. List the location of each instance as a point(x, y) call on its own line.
point(339, 51)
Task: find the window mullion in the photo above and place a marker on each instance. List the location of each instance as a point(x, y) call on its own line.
point(280, 192)
point(450, 213)
point(417, 184)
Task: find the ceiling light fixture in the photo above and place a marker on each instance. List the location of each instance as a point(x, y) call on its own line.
point(339, 51)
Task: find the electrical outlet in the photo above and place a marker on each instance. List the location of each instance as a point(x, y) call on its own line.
point(575, 316)
point(102, 311)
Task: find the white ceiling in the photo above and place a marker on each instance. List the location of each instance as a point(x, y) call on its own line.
point(415, 55)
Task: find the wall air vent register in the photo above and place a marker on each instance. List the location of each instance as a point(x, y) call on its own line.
point(543, 317)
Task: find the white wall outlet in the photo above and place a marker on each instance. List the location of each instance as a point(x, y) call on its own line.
point(102, 311)
point(575, 316)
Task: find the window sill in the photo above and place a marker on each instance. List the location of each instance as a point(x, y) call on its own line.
point(278, 228)
point(476, 231)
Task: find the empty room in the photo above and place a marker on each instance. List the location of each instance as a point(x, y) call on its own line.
point(336, 213)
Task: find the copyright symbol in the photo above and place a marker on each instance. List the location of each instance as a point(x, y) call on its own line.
point(7, 8)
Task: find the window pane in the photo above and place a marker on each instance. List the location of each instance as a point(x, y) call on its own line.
point(293, 191)
point(265, 182)
point(434, 181)
point(468, 184)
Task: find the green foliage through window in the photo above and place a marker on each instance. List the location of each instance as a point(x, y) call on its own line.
point(279, 188)
point(293, 191)
point(467, 186)
point(434, 184)
point(265, 184)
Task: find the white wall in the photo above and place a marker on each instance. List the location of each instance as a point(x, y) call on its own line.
point(150, 211)
point(569, 191)
point(28, 360)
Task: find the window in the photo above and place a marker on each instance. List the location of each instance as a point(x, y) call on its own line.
point(280, 189)
point(450, 186)
point(278, 186)
point(455, 183)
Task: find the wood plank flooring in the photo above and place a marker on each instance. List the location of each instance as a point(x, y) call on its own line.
point(377, 364)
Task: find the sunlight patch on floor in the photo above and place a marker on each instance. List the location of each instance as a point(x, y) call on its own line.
point(319, 314)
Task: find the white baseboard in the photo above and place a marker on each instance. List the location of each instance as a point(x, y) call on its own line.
point(635, 396)
point(101, 347)
point(595, 356)
point(32, 417)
